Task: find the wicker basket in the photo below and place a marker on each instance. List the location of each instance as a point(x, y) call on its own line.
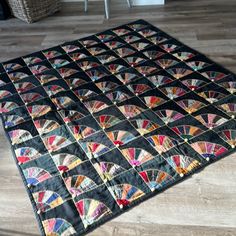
point(33, 10)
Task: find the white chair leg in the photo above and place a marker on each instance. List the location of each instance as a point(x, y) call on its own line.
point(107, 9)
point(85, 5)
point(129, 3)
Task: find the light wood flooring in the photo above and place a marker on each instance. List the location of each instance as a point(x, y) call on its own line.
point(203, 205)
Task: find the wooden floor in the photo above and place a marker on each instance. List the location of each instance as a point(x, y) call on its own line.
point(204, 205)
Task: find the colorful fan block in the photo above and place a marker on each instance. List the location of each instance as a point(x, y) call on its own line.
point(12, 120)
point(53, 89)
point(96, 50)
point(31, 97)
point(211, 120)
point(95, 106)
point(140, 45)
point(51, 54)
point(91, 211)
point(211, 96)
point(159, 80)
point(173, 92)
point(66, 72)
point(146, 70)
point(197, 65)
point(230, 86)
point(71, 115)
point(15, 76)
point(19, 135)
point(88, 42)
point(183, 56)
point(213, 75)
point(106, 58)
point(44, 126)
point(155, 178)
point(120, 137)
point(105, 37)
point(38, 69)
point(65, 161)
point(24, 86)
point(157, 39)
point(55, 142)
point(26, 154)
point(209, 150)
point(190, 105)
point(84, 93)
point(96, 149)
point(7, 106)
point(118, 96)
point(82, 131)
point(126, 77)
point(131, 38)
point(47, 200)
point(169, 47)
point(106, 85)
point(46, 78)
point(32, 60)
point(57, 63)
point(165, 63)
point(63, 102)
point(116, 68)
point(75, 82)
point(179, 72)
point(130, 110)
point(162, 143)
point(193, 84)
point(35, 175)
point(169, 116)
point(153, 101)
point(77, 56)
point(95, 74)
point(136, 156)
point(137, 27)
point(153, 54)
point(107, 121)
point(183, 164)
point(11, 66)
point(229, 135)
point(144, 126)
point(187, 131)
point(70, 48)
point(38, 110)
point(126, 193)
point(134, 61)
point(86, 65)
point(125, 51)
point(108, 170)
point(121, 31)
point(78, 184)
point(58, 227)
point(139, 88)
point(230, 108)
point(114, 44)
point(147, 32)
point(4, 93)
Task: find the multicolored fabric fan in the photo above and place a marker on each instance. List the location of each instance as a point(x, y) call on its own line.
point(65, 161)
point(19, 135)
point(183, 56)
point(159, 80)
point(179, 72)
point(193, 84)
point(91, 211)
point(95, 149)
point(120, 137)
point(138, 89)
point(213, 75)
point(82, 131)
point(155, 178)
point(71, 115)
point(130, 110)
point(51, 54)
point(55, 142)
point(144, 126)
point(126, 193)
point(63, 102)
point(211, 120)
point(229, 135)
point(153, 54)
point(95, 106)
point(4, 93)
point(47, 200)
point(53, 89)
point(38, 69)
point(209, 150)
point(190, 105)
point(25, 154)
point(162, 143)
point(230, 108)
point(11, 66)
point(183, 164)
point(45, 126)
point(118, 96)
point(169, 116)
point(173, 92)
point(211, 96)
point(58, 226)
point(107, 121)
point(77, 184)
point(35, 175)
point(153, 101)
point(136, 156)
point(31, 97)
point(66, 72)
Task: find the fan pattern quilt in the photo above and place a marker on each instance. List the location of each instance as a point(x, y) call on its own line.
point(101, 123)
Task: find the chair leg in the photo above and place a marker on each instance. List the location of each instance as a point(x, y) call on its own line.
point(129, 3)
point(107, 9)
point(85, 5)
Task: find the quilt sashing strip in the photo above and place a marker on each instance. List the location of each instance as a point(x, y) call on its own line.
point(99, 124)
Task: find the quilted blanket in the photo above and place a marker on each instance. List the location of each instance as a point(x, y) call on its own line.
point(99, 124)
